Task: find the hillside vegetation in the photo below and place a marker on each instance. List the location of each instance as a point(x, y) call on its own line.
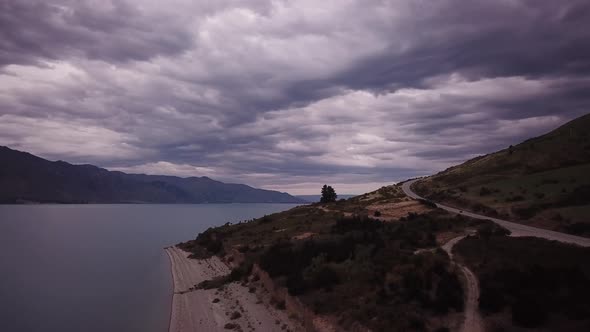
point(375, 262)
point(544, 181)
point(530, 282)
point(343, 262)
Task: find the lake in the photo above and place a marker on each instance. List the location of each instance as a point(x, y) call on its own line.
point(98, 267)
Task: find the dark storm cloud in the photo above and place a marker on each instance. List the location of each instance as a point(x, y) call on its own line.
point(285, 94)
point(485, 39)
point(56, 30)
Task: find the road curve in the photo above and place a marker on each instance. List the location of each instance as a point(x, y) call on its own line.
point(516, 229)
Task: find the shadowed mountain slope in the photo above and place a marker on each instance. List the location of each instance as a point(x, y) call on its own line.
point(28, 178)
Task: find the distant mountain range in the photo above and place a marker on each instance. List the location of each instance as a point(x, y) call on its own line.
point(27, 178)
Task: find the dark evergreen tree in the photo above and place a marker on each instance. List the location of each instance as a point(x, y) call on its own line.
point(328, 194)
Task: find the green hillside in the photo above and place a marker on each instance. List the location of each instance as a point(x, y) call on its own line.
point(544, 181)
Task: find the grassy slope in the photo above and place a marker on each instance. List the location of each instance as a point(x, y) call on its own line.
point(544, 181)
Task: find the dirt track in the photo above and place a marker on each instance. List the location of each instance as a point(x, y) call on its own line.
point(473, 321)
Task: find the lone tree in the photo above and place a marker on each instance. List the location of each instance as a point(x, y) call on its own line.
point(328, 194)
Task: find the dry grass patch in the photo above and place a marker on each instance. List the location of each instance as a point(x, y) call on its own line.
point(303, 236)
point(394, 211)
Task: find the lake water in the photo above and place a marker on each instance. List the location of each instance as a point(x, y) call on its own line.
point(97, 267)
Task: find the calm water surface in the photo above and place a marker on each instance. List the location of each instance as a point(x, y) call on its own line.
point(97, 267)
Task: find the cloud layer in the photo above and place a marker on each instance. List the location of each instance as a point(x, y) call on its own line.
point(288, 95)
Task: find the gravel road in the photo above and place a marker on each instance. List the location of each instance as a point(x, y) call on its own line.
point(516, 229)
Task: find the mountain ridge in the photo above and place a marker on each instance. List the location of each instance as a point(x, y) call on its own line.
point(25, 177)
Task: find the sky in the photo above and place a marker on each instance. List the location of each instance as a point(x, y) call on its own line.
point(288, 95)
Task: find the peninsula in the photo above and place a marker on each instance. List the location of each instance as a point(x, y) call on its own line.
point(393, 260)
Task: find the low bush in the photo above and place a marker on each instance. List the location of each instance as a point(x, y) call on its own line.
point(526, 212)
point(236, 274)
point(449, 294)
point(529, 313)
point(231, 326)
point(320, 274)
point(517, 198)
point(578, 228)
point(484, 191)
point(265, 220)
point(428, 203)
point(539, 195)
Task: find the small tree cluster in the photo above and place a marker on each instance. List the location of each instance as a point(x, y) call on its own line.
point(328, 194)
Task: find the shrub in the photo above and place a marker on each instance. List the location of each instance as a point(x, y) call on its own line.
point(484, 191)
point(210, 240)
point(442, 329)
point(240, 272)
point(356, 223)
point(579, 196)
point(281, 305)
point(265, 220)
point(549, 181)
point(428, 203)
point(320, 274)
point(244, 249)
point(526, 212)
point(295, 284)
point(216, 282)
point(377, 213)
point(449, 294)
point(529, 312)
point(516, 198)
point(490, 299)
point(231, 326)
point(578, 228)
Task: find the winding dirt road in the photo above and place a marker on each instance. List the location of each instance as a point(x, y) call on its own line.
point(516, 229)
point(473, 321)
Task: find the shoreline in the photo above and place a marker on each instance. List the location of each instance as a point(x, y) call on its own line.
point(232, 307)
point(171, 287)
